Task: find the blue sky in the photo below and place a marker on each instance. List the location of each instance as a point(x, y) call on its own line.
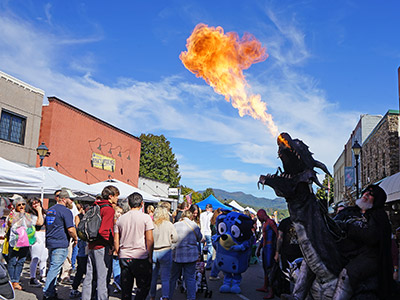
point(329, 62)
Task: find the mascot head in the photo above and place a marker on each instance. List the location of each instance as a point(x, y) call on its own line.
point(234, 228)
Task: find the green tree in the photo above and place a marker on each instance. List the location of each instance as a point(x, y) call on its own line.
point(157, 161)
point(196, 196)
point(207, 192)
point(322, 194)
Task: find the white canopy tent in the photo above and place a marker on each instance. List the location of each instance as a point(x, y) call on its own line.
point(55, 180)
point(43, 181)
point(236, 205)
point(124, 189)
point(391, 186)
point(251, 210)
point(17, 179)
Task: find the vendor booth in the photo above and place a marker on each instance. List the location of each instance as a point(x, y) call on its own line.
point(236, 206)
point(214, 202)
point(124, 189)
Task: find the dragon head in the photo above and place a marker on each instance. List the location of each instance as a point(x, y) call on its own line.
point(298, 167)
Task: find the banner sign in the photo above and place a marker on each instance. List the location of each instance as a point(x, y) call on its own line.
point(173, 192)
point(103, 162)
point(349, 176)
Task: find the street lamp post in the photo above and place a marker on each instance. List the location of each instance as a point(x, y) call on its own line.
point(43, 152)
point(356, 150)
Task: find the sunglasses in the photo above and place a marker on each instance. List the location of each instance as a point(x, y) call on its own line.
point(21, 204)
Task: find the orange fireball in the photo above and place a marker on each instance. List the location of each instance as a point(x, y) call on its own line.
point(220, 59)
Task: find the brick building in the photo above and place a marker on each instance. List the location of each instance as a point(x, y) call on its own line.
point(380, 151)
point(344, 167)
point(87, 148)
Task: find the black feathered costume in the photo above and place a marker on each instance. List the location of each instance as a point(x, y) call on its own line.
point(367, 247)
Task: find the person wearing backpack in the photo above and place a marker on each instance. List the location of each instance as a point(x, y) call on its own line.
point(100, 249)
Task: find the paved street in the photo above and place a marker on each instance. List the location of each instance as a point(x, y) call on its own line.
point(252, 279)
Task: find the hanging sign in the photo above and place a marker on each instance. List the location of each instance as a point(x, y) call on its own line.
point(103, 162)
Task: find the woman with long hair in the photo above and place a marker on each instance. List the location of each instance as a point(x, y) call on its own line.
point(21, 226)
point(214, 268)
point(195, 210)
point(164, 235)
point(39, 252)
point(213, 221)
point(150, 211)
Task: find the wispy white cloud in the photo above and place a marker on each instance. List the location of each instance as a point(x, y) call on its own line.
point(294, 99)
point(239, 177)
point(47, 12)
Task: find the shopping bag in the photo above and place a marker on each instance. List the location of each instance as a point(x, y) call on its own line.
point(23, 240)
point(31, 235)
point(6, 245)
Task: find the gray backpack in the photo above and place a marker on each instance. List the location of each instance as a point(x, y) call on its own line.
point(89, 226)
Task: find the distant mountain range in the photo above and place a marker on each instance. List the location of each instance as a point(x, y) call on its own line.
point(250, 200)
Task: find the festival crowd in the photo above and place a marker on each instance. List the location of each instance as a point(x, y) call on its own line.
point(141, 243)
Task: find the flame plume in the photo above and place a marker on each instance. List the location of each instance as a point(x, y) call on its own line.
point(282, 140)
point(220, 60)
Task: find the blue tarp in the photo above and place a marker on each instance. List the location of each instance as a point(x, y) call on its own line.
point(214, 202)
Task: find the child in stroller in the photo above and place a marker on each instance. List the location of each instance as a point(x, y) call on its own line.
point(201, 279)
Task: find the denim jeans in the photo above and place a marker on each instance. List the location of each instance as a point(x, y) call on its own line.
point(214, 269)
point(162, 261)
point(116, 270)
point(210, 250)
point(57, 257)
point(73, 257)
point(16, 260)
point(189, 275)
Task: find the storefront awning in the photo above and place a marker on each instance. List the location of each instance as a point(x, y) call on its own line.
point(391, 185)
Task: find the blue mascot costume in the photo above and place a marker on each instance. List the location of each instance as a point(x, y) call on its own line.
point(233, 243)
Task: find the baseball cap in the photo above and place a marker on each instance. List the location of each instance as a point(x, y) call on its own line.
point(67, 193)
point(16, 198)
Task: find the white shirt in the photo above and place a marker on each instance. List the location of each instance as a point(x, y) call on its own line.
point(205, 218)
point(74, 211)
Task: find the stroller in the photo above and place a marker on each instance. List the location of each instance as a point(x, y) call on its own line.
point(201, 279)
point(6, 289)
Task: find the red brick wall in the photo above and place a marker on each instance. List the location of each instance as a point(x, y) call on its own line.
point(73, 135)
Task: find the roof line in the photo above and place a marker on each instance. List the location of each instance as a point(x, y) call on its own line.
point(54, 98)
point(21, 83)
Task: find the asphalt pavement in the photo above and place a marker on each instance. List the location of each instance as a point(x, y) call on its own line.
point(253, 278)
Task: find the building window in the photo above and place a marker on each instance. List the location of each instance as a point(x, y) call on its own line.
point(12, 127)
